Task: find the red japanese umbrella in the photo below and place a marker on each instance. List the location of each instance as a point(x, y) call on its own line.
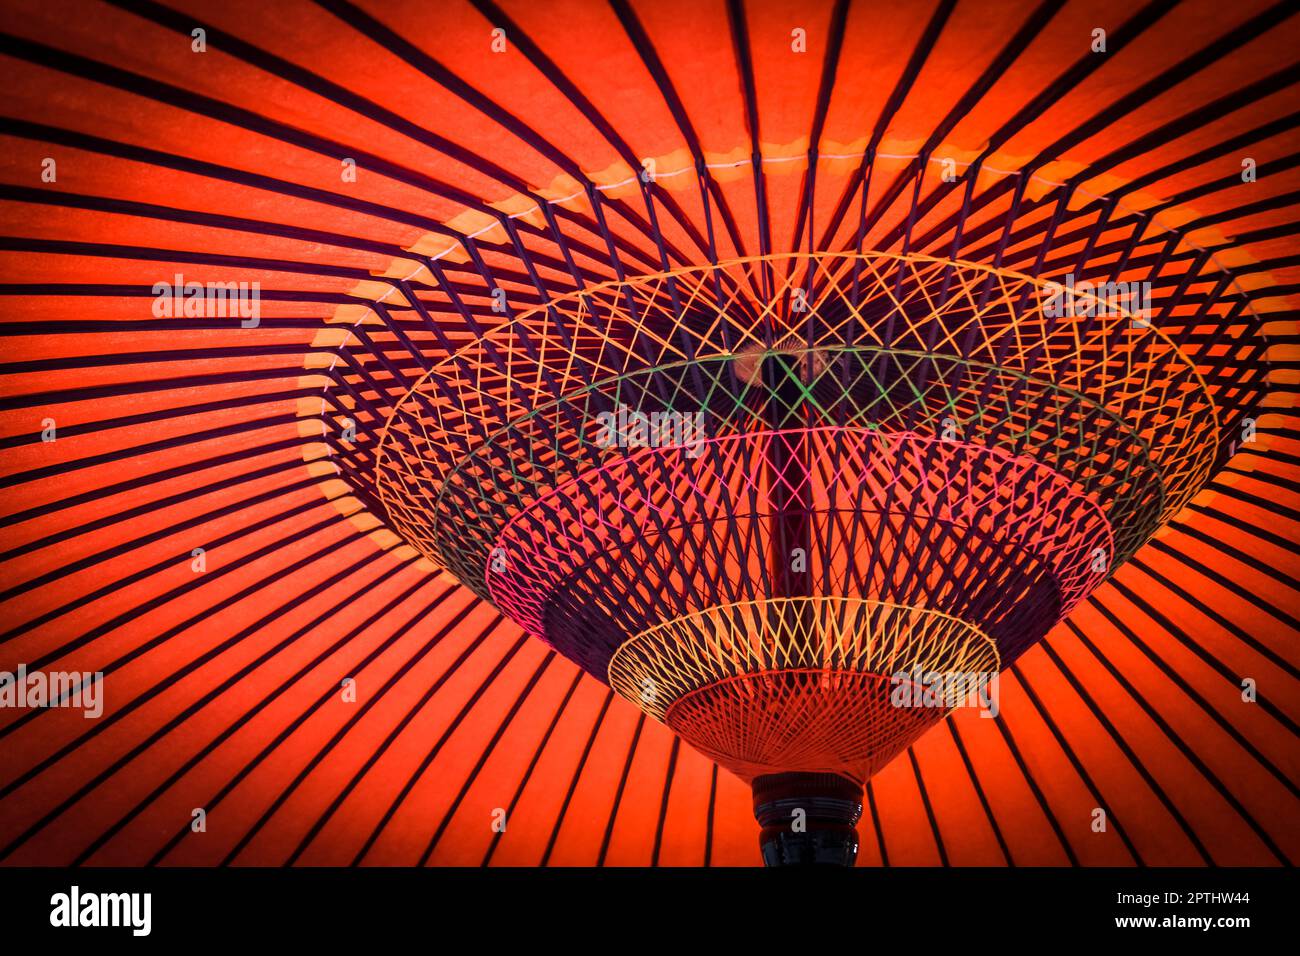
point(427, 418)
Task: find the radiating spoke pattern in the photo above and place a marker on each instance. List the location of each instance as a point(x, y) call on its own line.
point(960, 296)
